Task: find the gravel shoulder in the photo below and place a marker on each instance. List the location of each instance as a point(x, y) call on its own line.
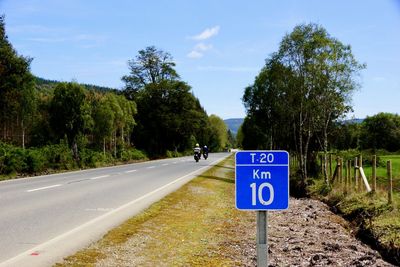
point(198, 225)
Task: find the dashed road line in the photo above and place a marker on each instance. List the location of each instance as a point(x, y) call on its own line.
point(130, 171)
point(43, 188)
point(99, 177)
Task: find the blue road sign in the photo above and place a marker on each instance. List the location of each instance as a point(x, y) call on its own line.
point(262, 180)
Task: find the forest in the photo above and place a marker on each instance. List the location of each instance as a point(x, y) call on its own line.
point(48, 125)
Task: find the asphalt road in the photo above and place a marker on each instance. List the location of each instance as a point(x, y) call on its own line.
point(44, 218)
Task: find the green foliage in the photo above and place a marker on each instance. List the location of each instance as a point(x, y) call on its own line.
point(69, 113)
point(219, 133)
point(299, 94)
point(150, 66)
point(35, 161)
point(168, 115)
point(17, 94)
point(345, 136)
point(381, 131)
point(132, 154)
point(17, 161)
point(70, 125)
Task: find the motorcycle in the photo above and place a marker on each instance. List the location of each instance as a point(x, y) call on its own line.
point(205, 155)
point(197, 156)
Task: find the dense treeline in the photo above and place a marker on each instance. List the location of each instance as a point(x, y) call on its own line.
point(48, 124)
point(298, 96)
point(378, 132)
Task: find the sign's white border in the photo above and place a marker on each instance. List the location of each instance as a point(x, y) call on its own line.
point(262, 151)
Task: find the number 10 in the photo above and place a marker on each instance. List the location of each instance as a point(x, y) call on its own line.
point(260, 195)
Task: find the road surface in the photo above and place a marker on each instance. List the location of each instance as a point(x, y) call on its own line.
point(47, 217)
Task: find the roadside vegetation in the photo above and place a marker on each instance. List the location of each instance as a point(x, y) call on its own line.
point(196, 225)
point(48, 125)
point(298, 103)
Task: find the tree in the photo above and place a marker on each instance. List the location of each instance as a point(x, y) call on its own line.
point(346, 135)
point(301, 91)
point(151, 66)
point(17, 92)
point(69, 113)
point(381, 131)
point(103, 116)
point(219, 133)
point(169, 116)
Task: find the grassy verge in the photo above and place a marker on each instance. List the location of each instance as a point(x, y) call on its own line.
point(377, 222)
point(196, 225)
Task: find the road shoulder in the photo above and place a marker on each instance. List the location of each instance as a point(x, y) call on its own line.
point(198, 225)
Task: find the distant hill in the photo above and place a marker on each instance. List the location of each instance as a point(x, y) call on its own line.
point(234, 124)
point(353, 121)
point(48, 84)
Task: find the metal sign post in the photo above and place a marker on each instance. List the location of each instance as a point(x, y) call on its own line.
point(262, 240)
point(262, 184)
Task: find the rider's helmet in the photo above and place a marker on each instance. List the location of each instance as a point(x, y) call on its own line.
point(205, 146)
point(197, 145)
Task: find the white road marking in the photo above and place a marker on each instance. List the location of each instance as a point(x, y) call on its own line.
point(151, 167)
point(100, 209)
point(43, 188)
point(130, 171)
point(165, 164)
point(90, 224)
point(99, 177)
point(175, 162)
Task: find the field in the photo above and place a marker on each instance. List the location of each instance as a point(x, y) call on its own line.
point(381, 172)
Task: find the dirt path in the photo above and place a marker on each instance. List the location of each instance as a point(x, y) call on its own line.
point(198, 225)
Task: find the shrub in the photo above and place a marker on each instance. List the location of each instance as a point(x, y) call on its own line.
point(35, 161)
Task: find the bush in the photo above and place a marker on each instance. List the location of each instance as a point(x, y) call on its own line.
point(14, 161)
point(35, 161)
point(94, 159)
point(132, 154)
point(173, 154)
point(58, 156)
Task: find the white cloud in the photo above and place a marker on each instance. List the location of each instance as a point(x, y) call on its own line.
point(198, 50)
point(202, 47)
point(47, 40)
point(195, 54)
point(207, 33)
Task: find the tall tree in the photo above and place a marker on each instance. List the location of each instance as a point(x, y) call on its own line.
point(169, 116)
point(381, 131)
point(151, 66)
point(17, 92)
point(219, 131)
point(302, 90)
point(69, 113)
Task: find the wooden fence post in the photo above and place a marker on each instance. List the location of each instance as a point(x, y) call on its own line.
point(341, 172)
point(330, 166)
point(348, 175)
point(359, 176)
point(374, 173)
point(356, 173)
point(389, 174)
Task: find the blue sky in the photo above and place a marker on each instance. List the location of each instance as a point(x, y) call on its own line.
point(219, 46)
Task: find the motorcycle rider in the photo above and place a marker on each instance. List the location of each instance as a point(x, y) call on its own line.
point(197, 150)
point(205, 152)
